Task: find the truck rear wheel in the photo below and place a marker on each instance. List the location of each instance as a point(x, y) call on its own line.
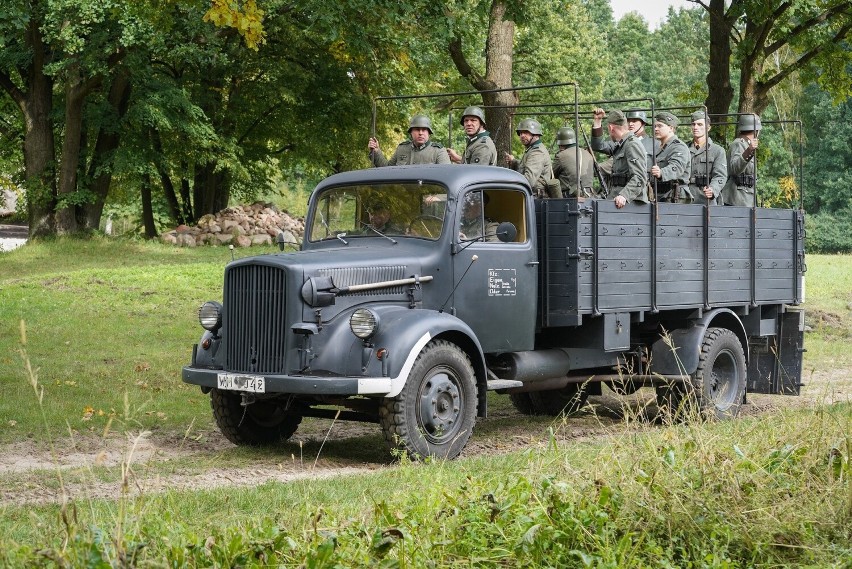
point(718, 385)
point(567, 400)
point(523, 403)
point(261, 423)
point(435, 412)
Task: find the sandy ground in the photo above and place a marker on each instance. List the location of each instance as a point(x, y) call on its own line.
point(321, 448)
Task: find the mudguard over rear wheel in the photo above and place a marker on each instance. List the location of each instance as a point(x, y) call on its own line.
point(435, 412)
point(717, 387)
point(260, 423)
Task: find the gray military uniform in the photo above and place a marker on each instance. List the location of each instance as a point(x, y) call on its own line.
point(607, 146)
point(739, 189)
point(673, 161)
point(535, 166)
point(629, 174)
point(406, 154)
point(565, 169)
point(709, 168)
point(480, 150)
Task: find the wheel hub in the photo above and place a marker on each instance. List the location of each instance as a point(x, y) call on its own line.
point(440, 406)
point(723, 380)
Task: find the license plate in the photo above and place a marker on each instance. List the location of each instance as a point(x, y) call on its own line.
point(238, 382)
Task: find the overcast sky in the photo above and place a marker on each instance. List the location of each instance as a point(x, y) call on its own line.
point(654, 11)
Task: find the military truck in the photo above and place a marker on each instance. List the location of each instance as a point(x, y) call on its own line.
point(418, 289)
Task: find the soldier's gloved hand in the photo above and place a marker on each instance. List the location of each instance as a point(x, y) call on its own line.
point(749, 151)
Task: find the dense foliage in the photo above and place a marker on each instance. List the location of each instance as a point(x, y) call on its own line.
point(175, 108)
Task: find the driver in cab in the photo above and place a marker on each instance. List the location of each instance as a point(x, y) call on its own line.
point(474, 224)
point(379, 213)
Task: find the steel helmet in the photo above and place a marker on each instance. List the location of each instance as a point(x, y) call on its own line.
point(637, 114)
point(420, 121)
point(748, 122)
point(473, 111)
point(565, 136)
point(532, 126)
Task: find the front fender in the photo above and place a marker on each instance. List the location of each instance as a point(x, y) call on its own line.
point(679, 355)
point(404, 332)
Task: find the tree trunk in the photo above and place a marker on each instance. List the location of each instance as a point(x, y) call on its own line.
point(107, 142)
point(185, 196)
point(210, 190)
point(720, 93)
point(147, 208)
point(175, 211)
point(499, 58)
point(75, 96)
point(36, 104)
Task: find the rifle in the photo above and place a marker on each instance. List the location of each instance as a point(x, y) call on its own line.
point(595, 166)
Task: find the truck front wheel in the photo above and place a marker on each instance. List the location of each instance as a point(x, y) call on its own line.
point(435, 412)
point(260, 423)
point(718, 385)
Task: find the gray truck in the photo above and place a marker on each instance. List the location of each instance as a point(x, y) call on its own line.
point(418, 289)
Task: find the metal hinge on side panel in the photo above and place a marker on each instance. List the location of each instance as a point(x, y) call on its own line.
point(580, 253)
point(582, 209)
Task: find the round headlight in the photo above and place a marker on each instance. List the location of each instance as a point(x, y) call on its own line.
point(210, 315)
point(364, 323)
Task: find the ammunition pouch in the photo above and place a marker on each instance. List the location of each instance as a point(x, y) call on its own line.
point(701, 181)
point(618, 180)
point(745, 180)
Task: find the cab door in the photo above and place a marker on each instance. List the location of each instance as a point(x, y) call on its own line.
point(496, 282)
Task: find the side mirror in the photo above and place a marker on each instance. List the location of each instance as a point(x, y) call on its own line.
point(507, 232)
point(285, 238)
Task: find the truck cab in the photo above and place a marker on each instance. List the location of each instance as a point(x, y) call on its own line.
point(419, 288)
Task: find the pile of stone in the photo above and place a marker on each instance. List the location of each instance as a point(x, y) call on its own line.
point(240, 226)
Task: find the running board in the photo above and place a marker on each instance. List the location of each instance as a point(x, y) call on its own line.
point(495, 384)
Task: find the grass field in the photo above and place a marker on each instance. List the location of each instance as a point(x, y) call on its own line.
point(110, 323)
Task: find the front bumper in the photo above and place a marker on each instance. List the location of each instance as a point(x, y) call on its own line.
point(299, 384)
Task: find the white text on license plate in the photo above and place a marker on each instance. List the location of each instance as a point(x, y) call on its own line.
point(237, 382)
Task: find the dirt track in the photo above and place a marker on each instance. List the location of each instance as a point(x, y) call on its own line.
point(343, 448)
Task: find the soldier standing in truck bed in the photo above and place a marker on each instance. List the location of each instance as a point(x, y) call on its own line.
point(480, 148)
point(739, 189)
point(637, 120)
point(629, 180)
point(709, 170)
point(672, 167)
point(566, 161)
point(417, 150)
point(535, 163)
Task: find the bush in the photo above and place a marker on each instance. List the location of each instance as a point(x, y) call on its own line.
point(829, 232)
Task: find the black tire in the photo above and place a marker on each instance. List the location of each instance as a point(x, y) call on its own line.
point(565, 401)
point(435, 412)
point(261, 423)
point(717, 387)
point(523, 403)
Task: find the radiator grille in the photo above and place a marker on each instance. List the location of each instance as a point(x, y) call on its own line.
point(253, 323)
point(363, 275)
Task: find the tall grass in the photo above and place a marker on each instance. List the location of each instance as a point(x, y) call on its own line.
point(110, 323)
point(763, 491)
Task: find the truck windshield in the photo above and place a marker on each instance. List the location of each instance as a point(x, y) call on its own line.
point(398, 210)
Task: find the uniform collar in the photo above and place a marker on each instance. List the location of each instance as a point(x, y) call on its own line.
point(477, 136)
